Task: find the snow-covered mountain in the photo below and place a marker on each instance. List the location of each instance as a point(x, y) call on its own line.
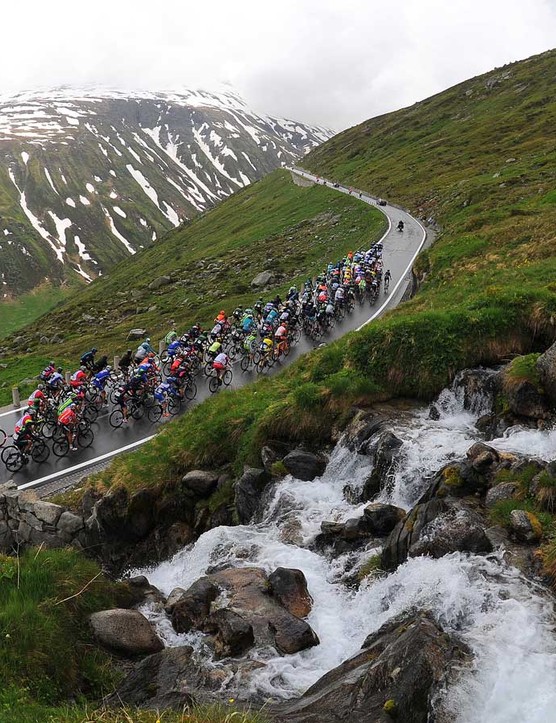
point(88, 177)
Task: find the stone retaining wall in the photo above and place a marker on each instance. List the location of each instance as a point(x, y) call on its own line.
point(27, 520)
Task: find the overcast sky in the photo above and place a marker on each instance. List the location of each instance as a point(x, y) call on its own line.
point(329, 62)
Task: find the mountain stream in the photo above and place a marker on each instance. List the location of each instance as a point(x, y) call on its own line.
point(505, 619)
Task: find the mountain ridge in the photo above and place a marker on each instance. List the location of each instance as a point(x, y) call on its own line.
point(89, 176)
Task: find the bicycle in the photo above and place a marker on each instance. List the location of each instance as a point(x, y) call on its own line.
point(215, 383)
point(83, 435)
point(15, 458)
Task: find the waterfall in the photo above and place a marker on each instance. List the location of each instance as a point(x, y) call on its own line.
point(506, 621)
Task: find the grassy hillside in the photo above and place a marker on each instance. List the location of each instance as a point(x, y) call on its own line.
point(272, 225)
point(479, 158)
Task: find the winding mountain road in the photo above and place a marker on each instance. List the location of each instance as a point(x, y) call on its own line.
point(400, 251)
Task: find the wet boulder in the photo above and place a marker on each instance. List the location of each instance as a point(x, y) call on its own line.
point(200, 482)
point(127, 632)
point(246, 592)
point(289, 587)
point(523, 395)
point(478, 387)
point(383, 450)
point(248, 490)
point(398, 675)
point(304, 465)
point(546, 367)
point(434, 528)
point(381, 518)
point(233, 635)
point(502, 491)
point(525, 526)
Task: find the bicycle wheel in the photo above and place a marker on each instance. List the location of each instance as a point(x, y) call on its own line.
point(214, 384)
point(190, 391)
point(85, 437)
point(116, 419)
point(3, 437)
point(154, 413)
point(12, 458)
point(39, 451)
point(60, 447)
point(166, 367)
point(90, 413)
point(245, 363)
point(164, 356)
point(48, 428)
point(174, 406)
point(227, 377)
point(136, 409)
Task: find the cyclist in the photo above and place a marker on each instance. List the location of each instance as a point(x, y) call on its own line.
point(100, 381)
point(88, 359)
point(281, 338)
point(400, 225)
point(142, 350)
point(23, 431)
point(161, 395)
point(101, 364)
point(387, 279)
point(37, 400)
point(48, 371)
point(79, 378)
point(55, 382)
point(220, 364)
point(68, 421)
point(171, 336)
point(126, 361)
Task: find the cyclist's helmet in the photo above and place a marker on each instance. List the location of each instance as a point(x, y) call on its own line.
point(129, 351)
point(83, 368)
point(51, 363)
point(59, 370)
point(40, 387)
point(108, 368)
point(148, 339)
point(94, 350)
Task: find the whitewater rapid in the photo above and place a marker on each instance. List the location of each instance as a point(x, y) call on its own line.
point(506, 620)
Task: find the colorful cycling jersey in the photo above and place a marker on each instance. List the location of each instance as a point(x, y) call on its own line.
point(281, 332)
point(248, 343)
point(215, 347)
point(100, 380)
point(23, 424)
point(216, 330)
point(221, 359)
point(248, 323)
point(55, 380)
point(174, 347)
point(175, 366)
point(36, 397)
point(170, 337)
point(65, 404)
point(266, 344)
point(339, 293)
point(162, 391)
point(271, 316)
point(78, 378)
point(47, 372)
point(68, 417)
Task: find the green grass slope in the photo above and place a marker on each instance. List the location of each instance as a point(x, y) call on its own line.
point(480, 158)
point(272, 224)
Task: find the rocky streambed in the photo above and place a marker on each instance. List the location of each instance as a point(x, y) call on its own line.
point(377, 588)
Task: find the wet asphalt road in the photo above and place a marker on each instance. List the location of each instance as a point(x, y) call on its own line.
point(400, 248)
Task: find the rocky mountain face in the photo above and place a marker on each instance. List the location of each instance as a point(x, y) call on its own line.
point(90, 177)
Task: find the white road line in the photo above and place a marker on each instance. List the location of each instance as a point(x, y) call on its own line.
point(82, 465)
point(19, 409)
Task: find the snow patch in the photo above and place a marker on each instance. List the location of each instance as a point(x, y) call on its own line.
point(70, 202)
point(85, 201)
point(119, 211)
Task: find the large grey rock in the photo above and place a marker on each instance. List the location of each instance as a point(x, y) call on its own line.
point(159, 282)
point(69, 523)
point(201, 482)
point(136, 334)
point(546, 366)
point(406, 664)
point(304, 465)
point(525, 400)
point(47, 512)
point(434, 528)
point(246, 593)
point(524, 526)
point(262, 279)
point(127, 632)
point(248, 490)
point(502, 491)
